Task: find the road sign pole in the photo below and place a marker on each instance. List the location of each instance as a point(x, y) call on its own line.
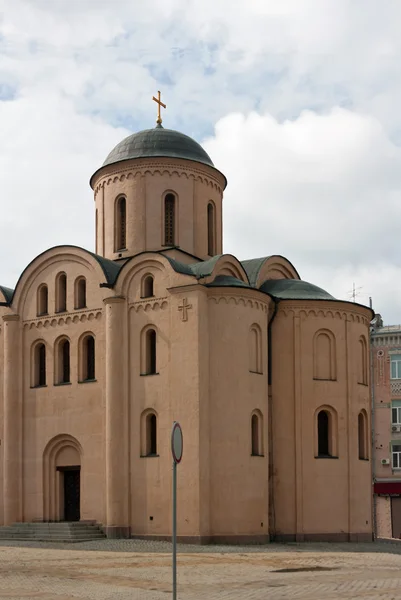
point(176, 451)
point(174, 530)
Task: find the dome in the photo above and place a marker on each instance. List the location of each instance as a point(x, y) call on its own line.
point(294, 289)
point(158, 142)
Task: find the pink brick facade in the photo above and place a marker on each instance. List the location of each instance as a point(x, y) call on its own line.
point(268, 375)
point(386, 402)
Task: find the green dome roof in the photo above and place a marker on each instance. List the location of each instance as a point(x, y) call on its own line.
point(158, 142)
point(294, 289)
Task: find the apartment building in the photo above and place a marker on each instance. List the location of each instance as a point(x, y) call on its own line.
point(386, 425)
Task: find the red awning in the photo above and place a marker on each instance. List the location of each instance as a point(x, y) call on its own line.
point(388, 487)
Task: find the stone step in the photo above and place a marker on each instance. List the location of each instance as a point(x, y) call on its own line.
point(52, 526)
point(55, 529)
point(45, 526)
point(52, 536)
point(59, 540)
point(96, 533)
point(77, 531)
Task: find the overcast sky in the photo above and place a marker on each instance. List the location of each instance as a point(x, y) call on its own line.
point(298, 102)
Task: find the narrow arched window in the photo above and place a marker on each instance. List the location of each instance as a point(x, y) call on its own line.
point(151, 434)
point(147, 286)
point(121, 224)
point(80, 292)
point(87, 358)
point(169, 220)
point(61, 292)
point(150, 352)
point(148, 433)
point(362, 361)
point(362, 436)
point(63, 362)
point(323, 432)
point(211, 229)
point(255, 435)
point(39, 365)
point(43, 300)
point(255, 349)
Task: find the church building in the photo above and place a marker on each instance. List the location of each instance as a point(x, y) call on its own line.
point(100, 352)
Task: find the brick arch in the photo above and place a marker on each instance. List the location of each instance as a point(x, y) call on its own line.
point(61, 451)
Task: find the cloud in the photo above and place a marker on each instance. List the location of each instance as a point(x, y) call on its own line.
point(298, 101)
point(48, 154)
point(322, 190)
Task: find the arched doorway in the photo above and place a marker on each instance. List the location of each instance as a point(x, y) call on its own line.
point(62, 479)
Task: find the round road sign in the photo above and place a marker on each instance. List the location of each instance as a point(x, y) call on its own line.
point(176, 442)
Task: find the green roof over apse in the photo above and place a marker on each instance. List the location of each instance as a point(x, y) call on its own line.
point(7, 293)
point(294, 289)
point(228, 281)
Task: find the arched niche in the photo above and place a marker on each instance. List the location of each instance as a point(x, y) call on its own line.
point(324, 355)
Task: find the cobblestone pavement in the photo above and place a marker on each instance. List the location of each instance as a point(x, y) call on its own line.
point(134, 570)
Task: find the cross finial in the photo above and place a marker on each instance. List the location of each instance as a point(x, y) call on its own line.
point(160, 103)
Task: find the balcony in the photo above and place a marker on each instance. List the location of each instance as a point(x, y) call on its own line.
point(395, 387)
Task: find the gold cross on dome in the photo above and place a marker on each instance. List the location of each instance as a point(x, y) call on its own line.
point(160, 103)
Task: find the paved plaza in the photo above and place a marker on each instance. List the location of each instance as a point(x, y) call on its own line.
point(122, 570)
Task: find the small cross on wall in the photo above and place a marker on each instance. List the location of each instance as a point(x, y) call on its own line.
point(183, 308)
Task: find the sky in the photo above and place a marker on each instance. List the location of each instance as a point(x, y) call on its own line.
point(298, 102)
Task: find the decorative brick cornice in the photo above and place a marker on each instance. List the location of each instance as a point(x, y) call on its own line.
point(148, 304)
point(120, 173)
point(114, 300)
point(239, 300)
point(11, 317)
point(393, 341)
point(65, 319)
point(299, 310)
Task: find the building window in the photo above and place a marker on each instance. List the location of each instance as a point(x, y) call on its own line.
point(147, 286)
point(211, 230)
point(120, 239)
point(80, 292)
point(324, 355)
point(257, 434)
point(87, 359)
point(396, 456)
point(363, 361)
point(323, 433)
point(62, 363)
point(169, 220)
point(149, 434)
point(395, 364)
point(61, 292)
point(363, 436)
point(39, 365)
point(43, 300)
point(396, 415)
point(150, 352)
point(255, 349)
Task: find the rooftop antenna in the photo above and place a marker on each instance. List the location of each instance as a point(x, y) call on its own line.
point(354, 292)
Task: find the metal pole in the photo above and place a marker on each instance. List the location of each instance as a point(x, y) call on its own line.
point(174, 530)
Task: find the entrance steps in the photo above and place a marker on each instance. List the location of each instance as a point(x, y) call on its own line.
point(77, 531)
